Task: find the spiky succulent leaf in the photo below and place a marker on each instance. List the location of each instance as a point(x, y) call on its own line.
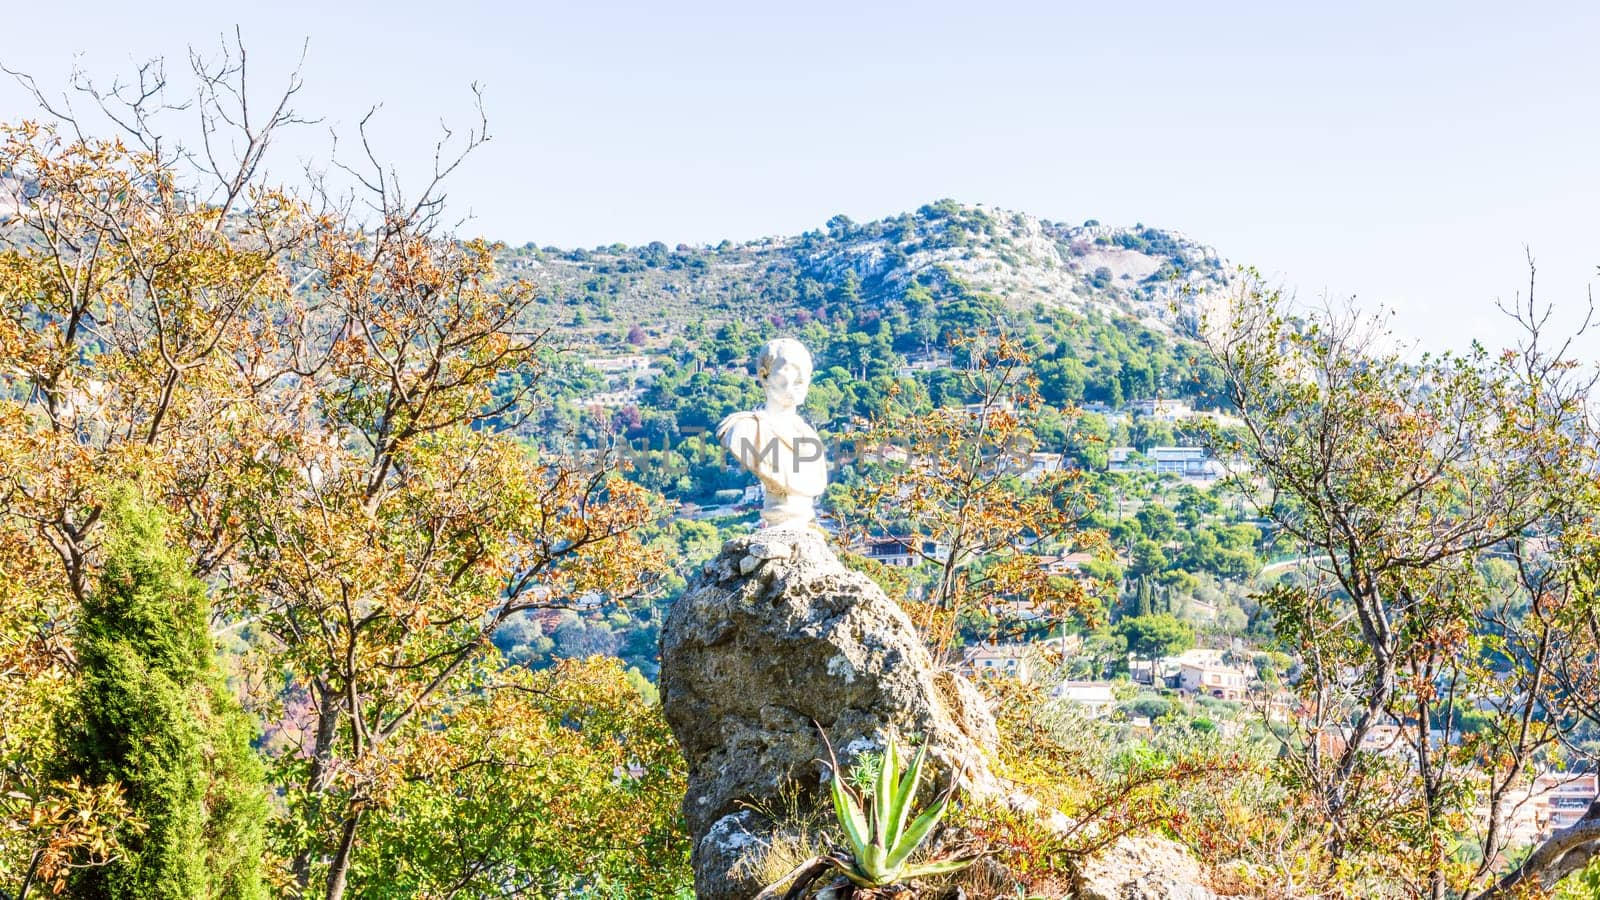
point(939, 867)
point(883, 795)
point(880, 840)
point(851, 820)
point(875, 865)
point(905, 792)
point(917, 832)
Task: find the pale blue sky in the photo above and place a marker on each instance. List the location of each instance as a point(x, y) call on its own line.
point(1403, 153)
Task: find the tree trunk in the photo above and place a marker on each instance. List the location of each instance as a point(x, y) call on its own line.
point(339, 871)
point(320, 775)
point(1565, 852)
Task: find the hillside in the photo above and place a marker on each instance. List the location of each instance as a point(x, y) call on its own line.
point(1159, 277)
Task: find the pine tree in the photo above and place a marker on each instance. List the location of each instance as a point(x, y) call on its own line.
point(153, 713)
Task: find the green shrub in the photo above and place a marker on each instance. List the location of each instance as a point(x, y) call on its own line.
point(153, 713)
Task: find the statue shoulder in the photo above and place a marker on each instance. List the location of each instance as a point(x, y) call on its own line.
point(736, 421)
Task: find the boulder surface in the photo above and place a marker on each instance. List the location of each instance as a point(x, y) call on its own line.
point(1144, 868)
point(773, 638)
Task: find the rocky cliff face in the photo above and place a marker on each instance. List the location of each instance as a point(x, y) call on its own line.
point(775, 637)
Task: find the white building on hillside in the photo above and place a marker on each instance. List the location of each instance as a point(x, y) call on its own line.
point(1165, 410)
point(1094, 696)
point(1193, 463)
point(1015, 660)
point(901, 551)
point(1037, 465)
point(618, 365)
point(1566, 797)
point(1213, 679)
point(1185, 462)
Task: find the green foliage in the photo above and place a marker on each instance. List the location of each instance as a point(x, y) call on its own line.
point(153, 713)
point(1104, 782)
point(864, 327)
point(1144, 598)
point(566, 781)
point(1157, 635)
point(1400, 475)
point(1150, 707)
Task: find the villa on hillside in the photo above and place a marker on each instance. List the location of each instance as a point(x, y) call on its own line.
point(930, 361)
point(886, 453)
point(1213, 679)
point(611, 399)
point(1036, 465)
point(1095, 697)
point(1194, 463)
point(1185, 462)
point(1165, 410)
point(987, 410)
point(1565, 797)
point(1015, 660)
point(618, 365)
point(1070, 564)
point(900, 551)
point(1200, 671)
point(1156, 673)
point(1384, 739)
point(1550, 802)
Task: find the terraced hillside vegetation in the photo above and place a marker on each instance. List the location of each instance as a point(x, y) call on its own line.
point(1159, 277)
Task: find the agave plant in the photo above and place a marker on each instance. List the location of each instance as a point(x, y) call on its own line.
point(881, 839)
point(878, 826)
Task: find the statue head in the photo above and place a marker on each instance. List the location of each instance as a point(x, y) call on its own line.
point(784, 370)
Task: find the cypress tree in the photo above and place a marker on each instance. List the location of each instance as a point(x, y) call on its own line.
point(1145, 597)
point(153, 713)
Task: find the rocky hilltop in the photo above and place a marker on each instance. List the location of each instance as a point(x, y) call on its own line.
point(1160, 277)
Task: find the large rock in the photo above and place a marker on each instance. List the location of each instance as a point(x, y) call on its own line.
point(772, 638)
point(1143, 868)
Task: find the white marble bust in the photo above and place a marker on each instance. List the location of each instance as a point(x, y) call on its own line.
point(775, 444)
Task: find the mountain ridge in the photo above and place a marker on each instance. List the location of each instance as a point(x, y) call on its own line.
point(1159, 276)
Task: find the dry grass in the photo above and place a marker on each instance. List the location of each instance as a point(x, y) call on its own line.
point(781, 857)
point(796, 839)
